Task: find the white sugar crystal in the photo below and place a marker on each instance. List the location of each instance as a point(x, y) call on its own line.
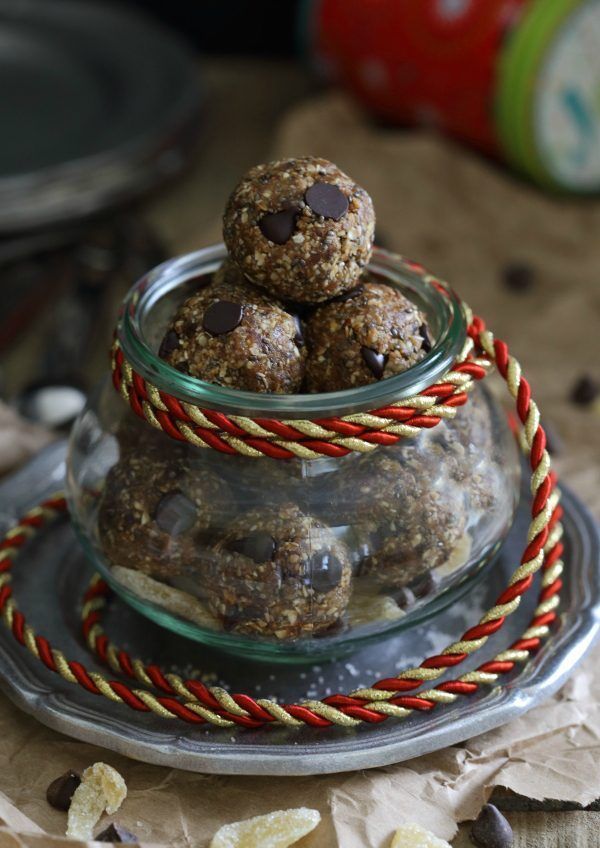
point(101, 789)
point(415, 836)
point(275, 830)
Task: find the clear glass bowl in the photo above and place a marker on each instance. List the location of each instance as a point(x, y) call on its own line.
point(289, 560)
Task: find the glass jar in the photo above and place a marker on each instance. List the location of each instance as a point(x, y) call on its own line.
point(289, 559)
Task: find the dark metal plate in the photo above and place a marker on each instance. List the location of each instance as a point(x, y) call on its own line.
point(53, 568)
point(97, 103)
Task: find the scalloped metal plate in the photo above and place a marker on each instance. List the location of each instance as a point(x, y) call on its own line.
point(53, 566)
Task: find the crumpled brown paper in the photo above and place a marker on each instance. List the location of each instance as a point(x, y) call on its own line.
point(464, 218)
point(553, 752)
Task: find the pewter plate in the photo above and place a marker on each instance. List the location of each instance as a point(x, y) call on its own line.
point(53, 572)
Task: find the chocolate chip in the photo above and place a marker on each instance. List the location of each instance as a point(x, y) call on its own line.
point(585, 391)
point(325, 571)
point(169, 343)
point(259, 546)
point(222, 317)
point(279, 227)
point(404, 597)
point(374, 361)
point(61, 790)
point(327, 200)
point(424, 333)
point(175, 514)
point(518, 276)
point(424, 585)
point(116, 833)
point(237, 615)
point(348, 295)
point(299, 337)
point(491, 829)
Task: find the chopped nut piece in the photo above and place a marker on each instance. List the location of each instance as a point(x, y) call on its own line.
point(101, 789)
point(275, 830)
point(415, 836)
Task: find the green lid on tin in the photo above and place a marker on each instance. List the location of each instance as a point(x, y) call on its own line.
point(548, 106)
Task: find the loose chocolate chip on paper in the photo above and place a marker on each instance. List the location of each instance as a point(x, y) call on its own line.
point(327, 200)
point(169, 343)
point(491, 829)
point(518, 276)
point(116, 833)
point(258, 546)
point(61, 790)
point(374, 361)
point(585, 391)
point(175, 514)
point(325, 571)
point(222, 317)
point(279, 227)
point(424, 333)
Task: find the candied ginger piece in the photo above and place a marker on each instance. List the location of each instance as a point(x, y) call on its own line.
point(415, 836)
point(101, 789)
point(174, 600)
point(275, 830)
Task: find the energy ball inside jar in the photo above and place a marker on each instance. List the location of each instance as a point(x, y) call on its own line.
point(300, 228)
point(372, 333)
point(234, 335)
point(154, 512)
point(279, 573)
point(416, 527)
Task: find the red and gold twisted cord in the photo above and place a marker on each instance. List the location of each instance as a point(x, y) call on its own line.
point(213, 705)
point(300, 438)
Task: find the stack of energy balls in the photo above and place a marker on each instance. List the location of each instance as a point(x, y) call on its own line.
point(291, 310)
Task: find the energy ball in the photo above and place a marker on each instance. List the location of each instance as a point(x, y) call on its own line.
point(154, 512)
point(278, 573)
point(300, 228)
point(404, 516)
point(420, 527)
point(232, 334)
point(369, 334)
